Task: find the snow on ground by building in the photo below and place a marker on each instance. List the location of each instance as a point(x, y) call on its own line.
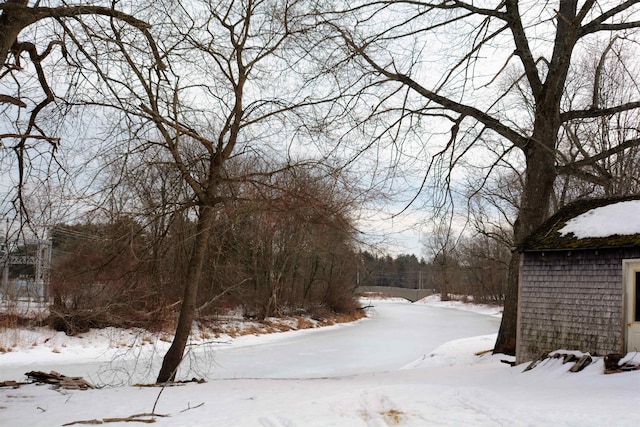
point(460, 304)
point(447, 385)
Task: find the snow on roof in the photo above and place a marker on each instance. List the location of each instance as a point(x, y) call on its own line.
point(622, 218)
point(589, 224)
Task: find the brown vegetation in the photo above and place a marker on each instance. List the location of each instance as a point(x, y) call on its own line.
point(279, 253)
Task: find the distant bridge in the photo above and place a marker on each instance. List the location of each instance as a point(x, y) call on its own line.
point(409, 294)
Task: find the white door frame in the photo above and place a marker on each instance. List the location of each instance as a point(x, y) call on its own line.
point(629, 267)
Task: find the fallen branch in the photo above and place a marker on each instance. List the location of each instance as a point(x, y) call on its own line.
point(82, 422)
point(173, 383)
point(208, 343)
point(136, 418)
point(59, 380)
point(149, 414)
point(189, 407)
point(11, 383)
point(129, 420)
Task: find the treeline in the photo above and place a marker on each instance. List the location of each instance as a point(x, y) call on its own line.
point(282, 249)
point(403, 271)
point(475, 267)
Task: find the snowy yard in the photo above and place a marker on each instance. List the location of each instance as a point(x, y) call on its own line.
point(406, 365)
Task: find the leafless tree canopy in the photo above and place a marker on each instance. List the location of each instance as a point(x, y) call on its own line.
point(206, 108)
point(499, 77)
point(210, 83)
point(34, 41)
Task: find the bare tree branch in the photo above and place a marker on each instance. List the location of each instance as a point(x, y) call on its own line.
point(602, 155)
point(598, 112)
point(466, 110)
point(598, 23)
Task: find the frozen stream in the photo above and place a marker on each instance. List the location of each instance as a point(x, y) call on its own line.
point(395, 335)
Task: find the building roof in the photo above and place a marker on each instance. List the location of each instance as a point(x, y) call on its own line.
point(589, 224)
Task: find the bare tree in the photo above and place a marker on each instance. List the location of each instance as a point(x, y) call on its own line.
point(441, 61)
point(236, 41)
point(606, 78)
point(32, 41)
point(229, 90)
point(484, 260)
point(293, 240)
point(445, 261)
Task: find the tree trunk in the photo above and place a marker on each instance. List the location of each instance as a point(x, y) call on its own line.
point(174, 355)
point(534, 209)
point(506, 341)
point(12, 21)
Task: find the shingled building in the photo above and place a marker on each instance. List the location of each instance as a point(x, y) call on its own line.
point(579, 281)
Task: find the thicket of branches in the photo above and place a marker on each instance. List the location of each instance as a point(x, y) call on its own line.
point(287, 250)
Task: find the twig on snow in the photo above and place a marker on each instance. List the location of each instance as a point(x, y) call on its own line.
point(189, 407)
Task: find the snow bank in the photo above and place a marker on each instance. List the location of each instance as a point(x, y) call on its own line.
point(449, 386)
point(464, 351)
point(435, 301)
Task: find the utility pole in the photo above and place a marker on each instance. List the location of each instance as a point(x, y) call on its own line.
point(4, 258)
point(43, 267)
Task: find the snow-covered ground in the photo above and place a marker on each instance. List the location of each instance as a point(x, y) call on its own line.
point(434, 301)
point(408, 365)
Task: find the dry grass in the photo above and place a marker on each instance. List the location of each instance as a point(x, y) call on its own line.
point(14, 318)
point(16, 326)
point(352, 317)
point(304, 323)
point(239, 327)
point(393, 416)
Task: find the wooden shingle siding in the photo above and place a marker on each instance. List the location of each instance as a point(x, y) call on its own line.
point(571, 299)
